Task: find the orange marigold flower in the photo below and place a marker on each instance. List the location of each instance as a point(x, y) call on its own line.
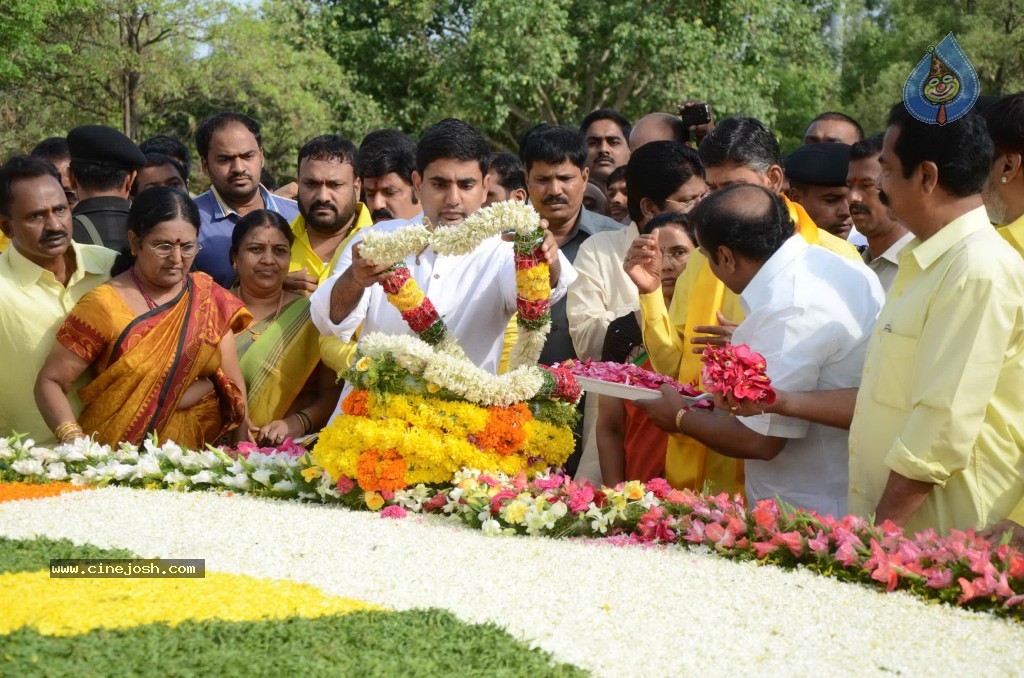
point(354, 404)
point(505, 432)
point(16, 491)
point(381, 472)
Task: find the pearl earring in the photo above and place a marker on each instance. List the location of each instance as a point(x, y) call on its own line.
point(1003, 180)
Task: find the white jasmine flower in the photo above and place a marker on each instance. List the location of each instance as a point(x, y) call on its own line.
point(203, 478)
point(57, 471)
point(284, 486)
point(28, 467)
point(175, 477)
point(262, 476)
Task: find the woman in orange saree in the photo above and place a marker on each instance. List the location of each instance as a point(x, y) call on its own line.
point(160, 341)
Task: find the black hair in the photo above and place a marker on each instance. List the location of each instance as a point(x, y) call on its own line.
point(1005, 120)
point(94, 177)
point(750, 220)
point(606, 114)
point(865, 148)
point(746, 141)
point(618, 174)
point(962, 150)
point(162, 143)
point(553, 144)
point(670, 218)
point(510, 170)
point(208, 127)
point(842, 117)
point(656, 170)
point(452, 139)
point(331, 147)
point(258, 219)
point(22, 167)
point(385, 151)
point(150, 209)
point(53, 149)
point(267, 180)
point(161, 160)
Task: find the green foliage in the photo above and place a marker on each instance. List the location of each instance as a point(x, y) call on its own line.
point(306, 67)
point(412, 643)
point(32, 555)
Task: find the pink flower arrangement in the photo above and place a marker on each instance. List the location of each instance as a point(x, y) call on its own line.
point(289, 447)
point(737, 371)
point(394, 512)
point(959, 569)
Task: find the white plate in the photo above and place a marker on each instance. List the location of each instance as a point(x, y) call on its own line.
point(623, 391)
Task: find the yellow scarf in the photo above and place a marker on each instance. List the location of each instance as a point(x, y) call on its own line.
point(689, 463)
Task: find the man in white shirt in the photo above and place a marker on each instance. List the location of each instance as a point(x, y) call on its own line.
point(810, 313)
point(475, 294)
point(886, 235)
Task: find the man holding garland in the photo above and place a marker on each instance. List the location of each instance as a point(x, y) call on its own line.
point(475, 294)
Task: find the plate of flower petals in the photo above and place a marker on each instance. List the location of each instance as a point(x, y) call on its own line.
point(630, 382)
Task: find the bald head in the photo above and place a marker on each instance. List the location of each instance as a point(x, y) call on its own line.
point(657, 127)
point(833, 127)
point(749, 221)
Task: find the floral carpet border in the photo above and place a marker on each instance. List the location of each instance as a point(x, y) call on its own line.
point(960, 569)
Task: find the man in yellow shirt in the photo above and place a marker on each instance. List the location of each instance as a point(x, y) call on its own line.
point(42, 275)
point(1004, 200)
point(329, 215)
point(937, 439)
point(738, 151)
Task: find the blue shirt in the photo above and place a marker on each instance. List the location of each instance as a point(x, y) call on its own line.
point(217, 221)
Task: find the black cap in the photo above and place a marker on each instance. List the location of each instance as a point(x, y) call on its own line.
point(823, 164)
point(99, 145)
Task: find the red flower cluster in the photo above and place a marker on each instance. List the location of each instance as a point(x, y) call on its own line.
point(421, 318)
point(566, 386)
point(399, 277)
point(737, 371)
point(533, 310)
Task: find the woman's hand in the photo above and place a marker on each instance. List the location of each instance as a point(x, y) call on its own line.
point(276, 432)
point(244, 432)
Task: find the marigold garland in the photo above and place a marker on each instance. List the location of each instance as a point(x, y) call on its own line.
point(355, 403)
point(381, 471)
point(434, 439)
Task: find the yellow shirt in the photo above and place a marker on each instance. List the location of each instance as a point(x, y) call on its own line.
point(33, 306)
point(941, 399)
point(1014, 234)
point(667, 339)
point(4, 242)
point(335, 353)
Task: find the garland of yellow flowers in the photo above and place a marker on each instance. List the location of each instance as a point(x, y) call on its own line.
point(533, 287)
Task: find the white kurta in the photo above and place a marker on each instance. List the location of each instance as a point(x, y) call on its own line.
point(810, 313)
point(475, 295)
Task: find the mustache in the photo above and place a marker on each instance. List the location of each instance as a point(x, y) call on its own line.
point(239, 175)
point(860, 208)
point(52, 235)
point(381, 214)
point(883, 198)
point(328, 204)
point(556, 200)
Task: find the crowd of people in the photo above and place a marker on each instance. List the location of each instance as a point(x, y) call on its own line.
point(880, 277)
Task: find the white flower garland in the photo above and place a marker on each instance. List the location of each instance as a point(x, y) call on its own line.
point(455, 373)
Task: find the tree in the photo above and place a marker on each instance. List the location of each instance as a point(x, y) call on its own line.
point(504, 66)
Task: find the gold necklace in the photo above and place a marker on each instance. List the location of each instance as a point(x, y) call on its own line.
point(256, 335)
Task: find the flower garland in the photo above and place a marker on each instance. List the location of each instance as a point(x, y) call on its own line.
point(533, 288)
point(959, 569)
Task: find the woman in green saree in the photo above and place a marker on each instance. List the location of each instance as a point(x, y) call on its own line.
point(290, 392)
